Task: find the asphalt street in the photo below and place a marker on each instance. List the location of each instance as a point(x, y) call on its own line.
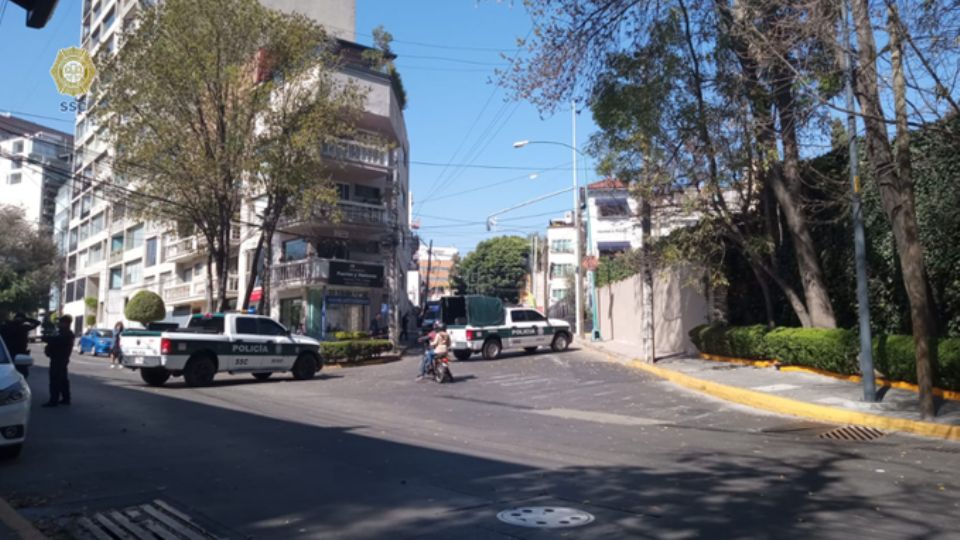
point(367, 452)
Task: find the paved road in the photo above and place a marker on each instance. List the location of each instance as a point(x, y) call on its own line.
point(370, 453)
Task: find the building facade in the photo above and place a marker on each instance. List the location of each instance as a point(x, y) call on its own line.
point(323, 276)
point(435, 267)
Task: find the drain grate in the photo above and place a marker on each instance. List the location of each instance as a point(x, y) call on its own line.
point(153, 520)
point(545, 517)
point(852, 433)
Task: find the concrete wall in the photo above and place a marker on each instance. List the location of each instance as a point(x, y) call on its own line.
point(677, 307)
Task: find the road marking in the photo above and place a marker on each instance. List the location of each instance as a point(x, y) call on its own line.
point(775, 387)
point(600, 417)
point(521, 382)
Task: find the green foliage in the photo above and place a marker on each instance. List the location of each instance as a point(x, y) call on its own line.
point(830, 349)
point(90, 302)
point(351, 351)
point(617, 268)
point(894, 356)
point(90, 320)
point(145, 307)
point(347, 336)
point(29, 265)
point(496, 267)
point(734, 342)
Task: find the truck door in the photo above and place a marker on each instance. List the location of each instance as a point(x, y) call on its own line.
point(538, 321)
point(248, 348)
point(523, 333)
point(283, 350)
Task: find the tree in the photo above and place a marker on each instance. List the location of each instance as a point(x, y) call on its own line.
point(496, 267)
point(190, 100)
point(29, 264)
point(145, 307)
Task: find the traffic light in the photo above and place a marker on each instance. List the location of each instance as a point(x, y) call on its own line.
point(38, 11)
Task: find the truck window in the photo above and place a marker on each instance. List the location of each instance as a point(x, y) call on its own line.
point(211, 325)
point(518, 316)
point(268, 327)
point(453, 310)
point(247, 325)
point(534, 316)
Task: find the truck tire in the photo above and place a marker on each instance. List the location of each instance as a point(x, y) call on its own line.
point(560, 342)
point(262, 376)
point(199, 371)
point(491, 349)
point(305, 367)
point(11, 452)
point(462, 355)
point(154, 376)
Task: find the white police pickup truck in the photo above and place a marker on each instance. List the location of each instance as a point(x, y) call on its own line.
point(480, 324)
point(219, 343)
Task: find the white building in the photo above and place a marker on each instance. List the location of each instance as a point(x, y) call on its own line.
point(324, 276)
point(435, 266)
point(561, 262)
point(34, 164)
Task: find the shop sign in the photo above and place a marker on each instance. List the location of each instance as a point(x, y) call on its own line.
point(355, 274)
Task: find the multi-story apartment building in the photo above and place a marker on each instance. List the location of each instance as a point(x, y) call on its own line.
point(561, 261)
point(34, 164)
point(325, 276)
point(435, 265)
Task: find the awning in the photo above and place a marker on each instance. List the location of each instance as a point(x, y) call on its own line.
point(608, 247)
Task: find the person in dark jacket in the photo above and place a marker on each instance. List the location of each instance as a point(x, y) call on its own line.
point(16, 334)
point(58, 348)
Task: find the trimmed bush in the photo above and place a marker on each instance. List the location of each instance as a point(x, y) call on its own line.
point(347, 336)
point(145, 307)
point(90, 320)
point(894, 357)
point(736, 342)
point(830, 349)
point(351, 351)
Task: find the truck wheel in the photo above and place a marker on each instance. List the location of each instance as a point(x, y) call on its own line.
point(491, 349)
point(560, 343)
point(462, 355)
point(529, 350)
point(199, 371)
point(154, 376)
point(10, 452)
point(262, 376)
point(305, 367)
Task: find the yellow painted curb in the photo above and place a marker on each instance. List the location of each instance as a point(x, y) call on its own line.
point(17, 523)
point(741, 361)
point(792, 407)
point(945, 394)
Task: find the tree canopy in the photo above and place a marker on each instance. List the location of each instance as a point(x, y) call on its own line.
point(145, 307)
point(496, 267)
point(29, 264)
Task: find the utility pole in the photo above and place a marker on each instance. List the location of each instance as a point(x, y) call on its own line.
point(578, 253)
point(859, 237)
point(429, 266)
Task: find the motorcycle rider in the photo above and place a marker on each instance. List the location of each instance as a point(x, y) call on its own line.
point(439, 346)
point(428, 353)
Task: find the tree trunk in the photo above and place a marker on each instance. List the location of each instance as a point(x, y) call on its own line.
point(222, 254)
point(647, 337)
point(765, 291)
point(896, 194)
point(252, 275)
point(791, 200)
point(208, 300)
point(263, 307)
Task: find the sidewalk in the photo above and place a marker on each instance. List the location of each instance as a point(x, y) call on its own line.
point(807, 395)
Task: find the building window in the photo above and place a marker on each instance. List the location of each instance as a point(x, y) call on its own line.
point(70, 292)
point(96, 253)
point(14, 179)
point(97, 223)
point(116, 243)
point(558, 294)
point(561, 246)
point(343, 191)
point(80, 292)
point(295, 250)
point(16, 163)
point(84, 231)
point(17, 148)
point(73, 239)
point(109, 18)
point(366, 194)
point(613, 208)
point(116, 278)
point(134, 237)
point(150, 255)
point(560, 270)
point(133, 272)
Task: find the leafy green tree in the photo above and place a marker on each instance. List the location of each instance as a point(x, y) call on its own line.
point(496, 267)
point(145, 307)
point(29, 265)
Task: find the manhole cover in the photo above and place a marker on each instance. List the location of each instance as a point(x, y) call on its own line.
point(852, 433)
point(545, 517)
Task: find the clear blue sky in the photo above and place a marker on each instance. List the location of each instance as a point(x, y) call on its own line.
point(447, 52)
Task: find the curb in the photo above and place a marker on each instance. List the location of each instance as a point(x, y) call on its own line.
point(17, 523)
point(792, 407)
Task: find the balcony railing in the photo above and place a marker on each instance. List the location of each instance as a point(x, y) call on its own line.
point(175, 293)
point(306, 271)
point(196, 290)
point(116, 256)
point(183, 247)
point(351, 213)
point(357, 152)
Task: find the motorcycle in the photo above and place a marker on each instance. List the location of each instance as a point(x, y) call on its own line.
point(440, 369)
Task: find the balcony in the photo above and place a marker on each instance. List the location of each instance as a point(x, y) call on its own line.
point(116, 256)
point(352, 214)
point(335, 272)
point(358, 152)
point(192, 246)
point(197, 290)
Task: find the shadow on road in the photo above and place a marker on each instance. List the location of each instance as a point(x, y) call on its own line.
point(274, 478)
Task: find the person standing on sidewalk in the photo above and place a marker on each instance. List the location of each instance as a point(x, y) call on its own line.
point(58, 348)
point(115, 349)
point(16, 334)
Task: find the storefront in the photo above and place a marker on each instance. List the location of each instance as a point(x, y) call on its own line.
point(351, 298)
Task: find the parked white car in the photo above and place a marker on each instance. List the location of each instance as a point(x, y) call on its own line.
point(14, 403)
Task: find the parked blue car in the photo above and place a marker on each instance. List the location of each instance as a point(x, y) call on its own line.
point(96, 341)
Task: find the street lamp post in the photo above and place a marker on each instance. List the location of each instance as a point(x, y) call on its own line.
point(578, 282)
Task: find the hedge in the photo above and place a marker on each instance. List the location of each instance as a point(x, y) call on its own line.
point(351, 351)
point(347, 336)
point(829, 349)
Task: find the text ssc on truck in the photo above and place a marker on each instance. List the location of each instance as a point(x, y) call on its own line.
point(480, 324)
point(220, 343)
